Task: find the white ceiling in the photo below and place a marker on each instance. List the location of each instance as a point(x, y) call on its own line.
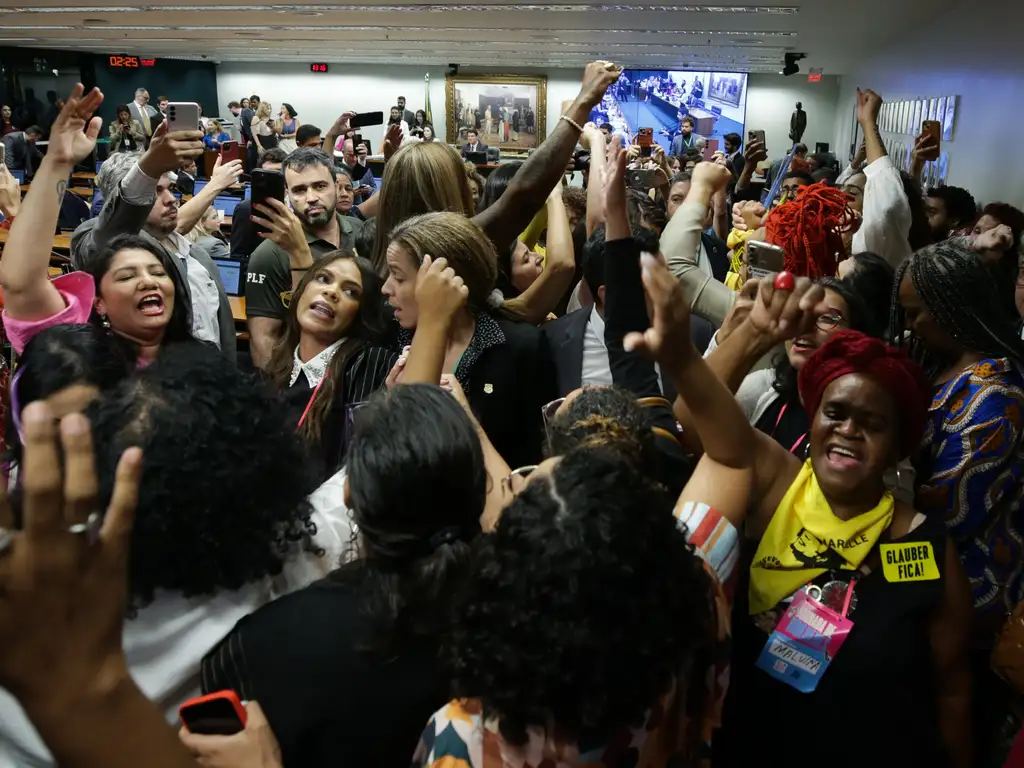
point(753, 38)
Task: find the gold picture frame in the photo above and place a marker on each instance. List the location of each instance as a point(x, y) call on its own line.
point(507, 111)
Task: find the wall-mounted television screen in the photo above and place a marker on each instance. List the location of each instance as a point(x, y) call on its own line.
point(658, 99)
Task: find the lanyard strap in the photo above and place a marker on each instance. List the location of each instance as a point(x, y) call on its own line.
point(309, 405)
point(782, 412)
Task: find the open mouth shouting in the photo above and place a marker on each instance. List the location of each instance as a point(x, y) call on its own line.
point(842, 457)
point(152, 305)
point(322, 310)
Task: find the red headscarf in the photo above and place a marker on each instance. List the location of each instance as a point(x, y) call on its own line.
point(854, 352)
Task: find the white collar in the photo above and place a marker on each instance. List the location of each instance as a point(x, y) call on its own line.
point(596, 323)
point(316, 368)
point(182, 247)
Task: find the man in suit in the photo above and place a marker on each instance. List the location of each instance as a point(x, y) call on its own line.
point(733, 155)
point(407, 115)
point(143, 112)
point(20, 151)
point(686, 139)
point(245, 129)
point(138, 201)
point(576, 340)
point(473, 143)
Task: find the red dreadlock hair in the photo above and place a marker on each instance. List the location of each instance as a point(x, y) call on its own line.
point(809, 229)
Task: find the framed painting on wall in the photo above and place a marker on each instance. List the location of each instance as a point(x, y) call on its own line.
point(948, 117)
point(507, 111)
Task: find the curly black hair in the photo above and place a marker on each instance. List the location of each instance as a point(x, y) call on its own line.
point(57, 358)
point(225, 477)
point(607, 416)
point(583, 606)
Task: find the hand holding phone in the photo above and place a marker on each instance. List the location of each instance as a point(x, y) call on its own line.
point(266, 184)
point(183, 116)
point(218, 714)
point(932, 146)
point(366, 118)
point(764, 260)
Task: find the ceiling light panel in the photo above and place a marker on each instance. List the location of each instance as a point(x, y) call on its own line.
point(434, 8)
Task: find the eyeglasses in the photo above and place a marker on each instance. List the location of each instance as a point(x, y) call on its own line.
point(548, 411)
point(830, 321)
point(516, 479)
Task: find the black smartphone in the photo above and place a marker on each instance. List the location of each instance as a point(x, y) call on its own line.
point(366, 118)
point(357, 139)
point(219, 714)
point(266, 184)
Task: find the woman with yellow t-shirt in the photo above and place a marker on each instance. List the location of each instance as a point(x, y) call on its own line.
point(828, 547)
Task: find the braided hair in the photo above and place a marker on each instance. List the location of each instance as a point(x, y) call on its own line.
point(961, 294)
point(810, 229)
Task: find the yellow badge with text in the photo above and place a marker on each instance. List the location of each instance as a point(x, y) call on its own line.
point(914, 561)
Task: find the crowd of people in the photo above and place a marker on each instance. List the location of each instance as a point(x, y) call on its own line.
point(512, 473)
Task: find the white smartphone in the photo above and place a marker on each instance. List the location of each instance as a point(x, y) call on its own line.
point(182, 116)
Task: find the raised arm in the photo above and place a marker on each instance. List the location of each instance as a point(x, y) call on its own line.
point(593, 140)
point(504, 220)
point(681, 240)
point(736, 458)
point(440, 294)
point(337, 129)
point(534, 304)
point(223, 176)
point(28, 292)
point(62, 616)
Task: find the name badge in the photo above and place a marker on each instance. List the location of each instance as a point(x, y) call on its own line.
point(914, 561)
point(804, 643)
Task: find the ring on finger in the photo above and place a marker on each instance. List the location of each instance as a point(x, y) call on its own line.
point(90, 529)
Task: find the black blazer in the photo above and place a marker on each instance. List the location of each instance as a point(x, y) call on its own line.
point(718, 255)
point(480, 147)
point(564, 337)
point(508, 386)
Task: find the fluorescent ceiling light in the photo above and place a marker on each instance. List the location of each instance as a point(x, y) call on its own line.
point(389, 28)
point(573, 8)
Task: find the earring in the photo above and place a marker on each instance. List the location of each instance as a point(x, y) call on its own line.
point(105, 320)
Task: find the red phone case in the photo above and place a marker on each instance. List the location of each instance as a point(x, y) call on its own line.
point(230, 696)
point(229, 151)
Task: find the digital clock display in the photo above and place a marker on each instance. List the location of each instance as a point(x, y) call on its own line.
point(129, 62)
point(317, 67)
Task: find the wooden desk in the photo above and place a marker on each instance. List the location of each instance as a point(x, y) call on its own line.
point(704, 121)
point(60, 242)
point(84, 176)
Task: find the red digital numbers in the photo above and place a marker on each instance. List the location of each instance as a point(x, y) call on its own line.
point(121, 62)
point(148, 62)
point(317, 67)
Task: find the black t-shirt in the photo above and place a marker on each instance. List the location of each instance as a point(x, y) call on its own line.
point(788, 424)
point(329, 702)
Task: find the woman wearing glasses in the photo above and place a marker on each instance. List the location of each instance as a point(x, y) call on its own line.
point(769, 397)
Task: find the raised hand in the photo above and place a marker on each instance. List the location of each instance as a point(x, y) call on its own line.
point(10, 193)
point(925, 148)
point(869, 104)
point(224, 176)
point(73, 134)
point(440, 293)
point(747, 215)
point(591, 137)
point(712, 175)
point(614, 180)
point(740, 309)
point(341, 124)
point(668, 338)
point(170, 150)
point(392, 141)
point(754, 153)
point(283, 228)
point(64, 575)
point(786, 307)
point(998, 239)
point(597, 77)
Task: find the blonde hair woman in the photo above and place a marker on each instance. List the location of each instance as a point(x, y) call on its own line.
point(264, 132)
